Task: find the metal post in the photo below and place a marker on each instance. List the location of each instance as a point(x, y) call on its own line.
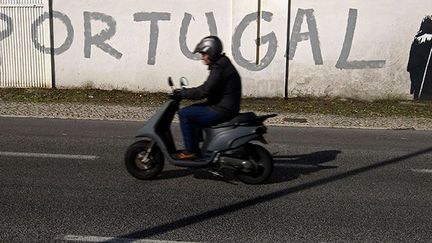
point(287, 64)
point(51, 24)
point(258, 42)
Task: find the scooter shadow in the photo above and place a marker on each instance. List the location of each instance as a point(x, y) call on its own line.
point(291, 167)
point(286, 168)
point(201, 174)
point(172, 174)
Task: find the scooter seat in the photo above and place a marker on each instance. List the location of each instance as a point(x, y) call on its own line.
point(242, 117)
point(247, 118)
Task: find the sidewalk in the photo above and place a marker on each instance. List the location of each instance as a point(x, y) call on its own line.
point(133, 113)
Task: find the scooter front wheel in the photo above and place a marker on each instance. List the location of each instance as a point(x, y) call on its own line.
point(262, 163)
point(144, 160)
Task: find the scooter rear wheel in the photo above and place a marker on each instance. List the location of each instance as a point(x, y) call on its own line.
point(142, 165)
point(262, 162)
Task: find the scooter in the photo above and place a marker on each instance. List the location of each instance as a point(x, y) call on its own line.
point(229, 145)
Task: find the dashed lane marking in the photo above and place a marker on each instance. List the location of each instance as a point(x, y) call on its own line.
point(427, 171)
point(82, 238)
point(44, 155)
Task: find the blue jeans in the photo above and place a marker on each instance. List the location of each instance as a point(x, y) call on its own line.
point(192, 121)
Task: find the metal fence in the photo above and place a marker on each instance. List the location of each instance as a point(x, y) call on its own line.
point(22, 64)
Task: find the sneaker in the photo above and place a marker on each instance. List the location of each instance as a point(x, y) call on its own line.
point(185, 156)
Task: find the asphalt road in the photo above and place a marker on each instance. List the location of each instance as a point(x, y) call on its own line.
point(65, 180)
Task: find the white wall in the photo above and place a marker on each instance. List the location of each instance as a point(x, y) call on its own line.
point(384, 31)
point(382, 37)
point(268, 77)
point(132, 70)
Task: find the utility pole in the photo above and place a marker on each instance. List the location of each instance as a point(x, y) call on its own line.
point(287, 64)
point(258, 42)
point(52, 48)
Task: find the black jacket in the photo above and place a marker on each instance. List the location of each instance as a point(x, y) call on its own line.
point(222, 88)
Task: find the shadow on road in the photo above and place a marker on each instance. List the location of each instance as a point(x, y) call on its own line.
point(315, 158)
point(172, 174)
point(200, 217)
point(202, 174)
point(286, 168)
point(290, 167)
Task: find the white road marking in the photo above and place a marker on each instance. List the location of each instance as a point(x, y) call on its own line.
point(82, 238)
point(54, 156)
point(428, 171)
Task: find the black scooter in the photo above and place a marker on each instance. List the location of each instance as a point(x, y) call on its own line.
point(227, 145)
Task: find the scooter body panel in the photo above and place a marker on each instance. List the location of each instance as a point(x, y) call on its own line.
point(158, 128)
point(226, 138)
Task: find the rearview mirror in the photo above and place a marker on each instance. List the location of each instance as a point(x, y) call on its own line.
point(184, 81)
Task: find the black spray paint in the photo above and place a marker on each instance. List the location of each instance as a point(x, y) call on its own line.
point(184, 30)
point(69, 28)
point(419, 62)
point(343, 62)
point(154, 18)
point(99, 39)
point(9, 26)
point(269, 38)
point(312, 35)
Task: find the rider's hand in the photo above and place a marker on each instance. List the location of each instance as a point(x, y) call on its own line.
point(176, 95)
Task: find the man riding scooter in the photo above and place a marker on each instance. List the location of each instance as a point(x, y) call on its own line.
point(222, 91)
point(231, 140)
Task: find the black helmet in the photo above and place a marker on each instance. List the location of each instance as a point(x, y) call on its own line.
point(210, 45)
